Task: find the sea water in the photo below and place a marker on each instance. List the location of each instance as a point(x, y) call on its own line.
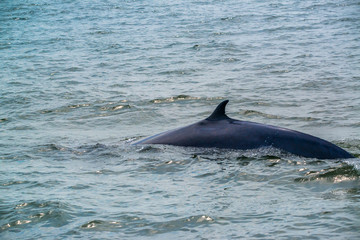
point(81, 80)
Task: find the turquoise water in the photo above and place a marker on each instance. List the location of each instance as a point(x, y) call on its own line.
point(81, 80)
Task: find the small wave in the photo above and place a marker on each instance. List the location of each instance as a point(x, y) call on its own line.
point(352, 145)
point(150, 149)
point(339, 174)
point(51, 147)
point(101, 32)
point(15, 182)
point(4, 120)
point(20, 18)
point(272, 116)
point(144, 227)
point(95, 147)
point(55, 213)
point(100, 172)
point(355, 163)
point(115, 107)
point(74, 69)
point(101, 225)
point(181, 224)
point(97, 109)
point(64, 109)
point(174, 99)
point(62, 153)
point(257, 113)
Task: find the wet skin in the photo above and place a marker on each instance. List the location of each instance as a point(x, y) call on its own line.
point(220, 131)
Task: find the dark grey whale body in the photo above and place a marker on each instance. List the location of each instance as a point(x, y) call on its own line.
point(220, 131)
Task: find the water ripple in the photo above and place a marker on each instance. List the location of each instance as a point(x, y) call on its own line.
point(80, 80)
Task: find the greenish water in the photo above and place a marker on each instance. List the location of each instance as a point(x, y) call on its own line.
point(81, 80)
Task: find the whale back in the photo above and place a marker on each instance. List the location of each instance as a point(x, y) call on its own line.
point(220, 131)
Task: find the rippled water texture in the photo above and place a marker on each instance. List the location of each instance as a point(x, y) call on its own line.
point(81, 80)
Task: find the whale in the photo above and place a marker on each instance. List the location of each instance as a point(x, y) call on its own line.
point(223, 132)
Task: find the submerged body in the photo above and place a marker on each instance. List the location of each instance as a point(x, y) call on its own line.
point(220, 131)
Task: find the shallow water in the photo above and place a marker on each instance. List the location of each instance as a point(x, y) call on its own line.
point(80, 80)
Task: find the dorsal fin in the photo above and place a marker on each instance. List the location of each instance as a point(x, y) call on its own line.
point(219, 112)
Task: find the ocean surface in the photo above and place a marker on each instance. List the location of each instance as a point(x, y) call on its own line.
point(81, 80)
